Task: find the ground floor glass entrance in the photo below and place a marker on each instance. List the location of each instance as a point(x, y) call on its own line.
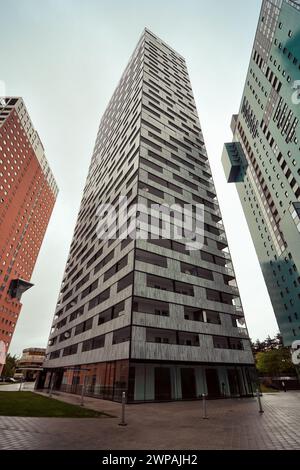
point(153, 382)
point(144, 382)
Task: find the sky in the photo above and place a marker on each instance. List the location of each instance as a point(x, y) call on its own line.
point(65, 58)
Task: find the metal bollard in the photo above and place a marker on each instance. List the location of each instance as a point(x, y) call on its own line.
point(204, 406)
point(123, 423)
point(20, 386)
point(259, 401)
point(82, 395)
point(51, 389)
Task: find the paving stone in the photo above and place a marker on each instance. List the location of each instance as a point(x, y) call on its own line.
point(232, 424)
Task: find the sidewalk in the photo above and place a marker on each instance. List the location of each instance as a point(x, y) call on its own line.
point(96, 404)
point(232, 424)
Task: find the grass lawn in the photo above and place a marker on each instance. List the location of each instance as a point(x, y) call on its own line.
point(265, 389)
point(31, 404)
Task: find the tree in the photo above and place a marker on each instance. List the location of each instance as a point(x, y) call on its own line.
point(275, 362)
point(278, 338)
point(258, 346)
point(10, 366)
point(268, 344)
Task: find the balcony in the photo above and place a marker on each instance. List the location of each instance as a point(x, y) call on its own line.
point(238, 306)
point(171, 337)
point(220, 225)
point(234, 290)
point(243, 332)
point(229, 269)
point(234, 162)
point(222, 237)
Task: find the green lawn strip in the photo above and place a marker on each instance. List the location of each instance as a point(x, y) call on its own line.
point(33, 405)
point(265, 389)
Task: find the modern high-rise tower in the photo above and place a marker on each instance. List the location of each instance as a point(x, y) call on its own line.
point(149, 317)
point(27, 195)
point(264, 157)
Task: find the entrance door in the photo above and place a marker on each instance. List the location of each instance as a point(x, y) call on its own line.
point(212, 383)
point(162, 383)
point(131, 382)
point(90, 388)
point(233, 382)
point(75, 382)
point(188, 383)
point(58, 379)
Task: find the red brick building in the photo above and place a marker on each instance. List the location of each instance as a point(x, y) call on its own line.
point(27, 195)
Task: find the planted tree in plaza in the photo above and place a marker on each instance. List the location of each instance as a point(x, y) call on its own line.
point(272, 358)
point(275, 362)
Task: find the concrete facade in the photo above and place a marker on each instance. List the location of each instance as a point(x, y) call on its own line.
point(150, 317)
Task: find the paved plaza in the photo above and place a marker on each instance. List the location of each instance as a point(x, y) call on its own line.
point(27, 387)
point(232, 424)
